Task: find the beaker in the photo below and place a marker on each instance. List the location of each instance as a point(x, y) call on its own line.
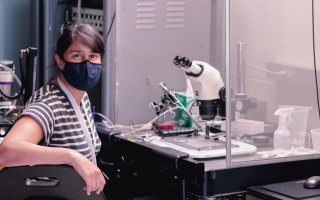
point(299, 122)
point(305, 140)
point(315, 134)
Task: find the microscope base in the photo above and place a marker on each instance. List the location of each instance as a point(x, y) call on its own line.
point(198, 147)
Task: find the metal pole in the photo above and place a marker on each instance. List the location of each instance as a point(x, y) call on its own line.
point(35, 37)
point(183, 187)
point(241, 67)
point(46, 39)
point(228, 97)
point(108, 75)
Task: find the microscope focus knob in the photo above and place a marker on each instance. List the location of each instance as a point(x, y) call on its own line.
point(222, 93)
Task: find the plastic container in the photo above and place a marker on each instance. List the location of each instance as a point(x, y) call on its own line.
point(299, 121)
point(315, 135)
point(305, 140)
point(187, 102)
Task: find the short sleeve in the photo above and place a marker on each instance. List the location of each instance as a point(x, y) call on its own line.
point(43, 114)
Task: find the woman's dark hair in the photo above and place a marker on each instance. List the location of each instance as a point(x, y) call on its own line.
point(83, 33)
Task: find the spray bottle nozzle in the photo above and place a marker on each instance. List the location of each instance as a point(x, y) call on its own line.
point(284, 114)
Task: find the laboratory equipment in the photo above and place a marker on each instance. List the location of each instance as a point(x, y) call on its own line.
point(170, 100)
point(7, 71)
point(30, 73)
point(241, 104)
point(207, 85)
point(176, 131)
point(299, 122)
point(209, 92)
point(315, 135)
point(28, 76)
point(304, 140)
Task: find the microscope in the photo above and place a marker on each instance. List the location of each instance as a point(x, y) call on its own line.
point(208, 87)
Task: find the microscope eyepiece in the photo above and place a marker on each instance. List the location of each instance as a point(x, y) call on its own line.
point(185, 62)
point(177, 61)
point(182, 62)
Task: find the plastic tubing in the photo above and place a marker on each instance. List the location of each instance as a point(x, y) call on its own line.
point(105, 118)
point(14, 75)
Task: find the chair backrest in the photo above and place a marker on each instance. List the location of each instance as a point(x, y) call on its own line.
point(45, 182)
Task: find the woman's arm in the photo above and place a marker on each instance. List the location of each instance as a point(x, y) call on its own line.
point(19, 147)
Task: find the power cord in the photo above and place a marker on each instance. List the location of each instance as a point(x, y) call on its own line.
point(22, 80)
point(114, 16)
point(314, 58)
point(136, 130)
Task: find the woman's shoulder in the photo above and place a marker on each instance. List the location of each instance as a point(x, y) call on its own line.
point(46, 94)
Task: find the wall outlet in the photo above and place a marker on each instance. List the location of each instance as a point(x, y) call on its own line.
point(149, 81)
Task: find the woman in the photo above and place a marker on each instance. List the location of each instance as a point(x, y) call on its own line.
point(59, 114)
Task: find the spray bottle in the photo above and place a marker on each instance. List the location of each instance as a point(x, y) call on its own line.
point(282, 138)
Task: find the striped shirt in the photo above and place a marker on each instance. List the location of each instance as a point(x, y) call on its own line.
point(51, 108)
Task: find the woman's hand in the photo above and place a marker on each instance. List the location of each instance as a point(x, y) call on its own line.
point(90, 173)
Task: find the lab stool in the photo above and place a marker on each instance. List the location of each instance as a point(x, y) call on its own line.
point(45, 182)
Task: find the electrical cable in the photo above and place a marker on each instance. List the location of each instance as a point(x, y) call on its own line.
point(132, 124)
point(114, 16)
point(143, 127)
point(110, 124)
point(314, 58)
point(105, 118)
point(66, 13)
point(156, 130)
point(134, 130)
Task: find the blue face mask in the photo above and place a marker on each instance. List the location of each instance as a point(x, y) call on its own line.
point(83, 75)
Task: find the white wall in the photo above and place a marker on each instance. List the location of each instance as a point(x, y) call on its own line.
point(277, 31)
point(149, 35)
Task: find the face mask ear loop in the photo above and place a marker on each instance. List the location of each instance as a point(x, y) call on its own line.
point(64, 63)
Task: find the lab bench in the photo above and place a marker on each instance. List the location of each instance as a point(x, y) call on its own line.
point(187, 178)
